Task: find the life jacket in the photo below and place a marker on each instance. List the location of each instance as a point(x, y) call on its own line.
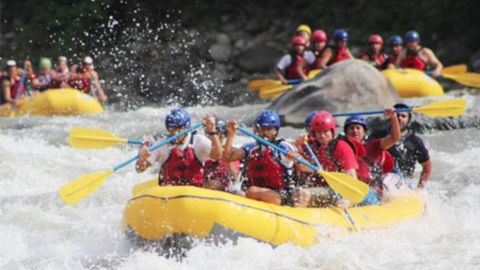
point(182, 168)
point(14, 89)
point(291, 70)
point(381, 58)
point(412, 60)
point(338, 54)
point(80, 83)
point(318, 58)
point(263, 169)
point(217, 171)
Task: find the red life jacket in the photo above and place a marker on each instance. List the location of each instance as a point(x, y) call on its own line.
point(338, 54)
point(380, 58)
point(218, 171)
point(412, 60)
point(392, 59)
point(318, 55)
point(82, 84)
point(291, 71)
point(263, 169)
point(181, 168)
point(14, 89)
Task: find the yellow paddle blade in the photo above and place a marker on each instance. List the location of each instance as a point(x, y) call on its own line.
point(80, 188)
point(348, 187)
point(257, 84)
point(266, 93)
point(443, 108)
point(468, 79)
point(314, 73)
point(140, 188)
point(81, 137)
point(457, 69)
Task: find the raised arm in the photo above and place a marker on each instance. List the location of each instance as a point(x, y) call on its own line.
point(394, 135)
point(217, 148)
point(230, 154)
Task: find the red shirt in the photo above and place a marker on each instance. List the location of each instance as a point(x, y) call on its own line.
point(343, 154)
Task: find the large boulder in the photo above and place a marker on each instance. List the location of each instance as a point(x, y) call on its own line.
point(347, 86)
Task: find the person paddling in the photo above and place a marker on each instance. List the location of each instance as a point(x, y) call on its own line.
point(319, 39)
point(60, 74)
point(15, 74)
point(219, 174)
point(374, 54)
point(395, 44)
point(268, 173)
point(376, 162)
point(334, 154)
point(43, 80)
point(418, 57)
point(182, 161)
point(295, 64)
point(338, 52)
point(82, 76)
point(305, 32)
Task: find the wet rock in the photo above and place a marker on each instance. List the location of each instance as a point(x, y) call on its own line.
point(348, 86)
point(258, 59)
point(475, 61)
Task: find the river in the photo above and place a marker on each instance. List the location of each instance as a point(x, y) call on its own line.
point(39, 232)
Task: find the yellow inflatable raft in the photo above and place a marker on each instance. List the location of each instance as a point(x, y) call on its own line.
point(55, 102)
point(157, 213)
point(413, 83)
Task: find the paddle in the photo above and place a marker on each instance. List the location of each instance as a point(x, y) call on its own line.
point(81, 137)
point(258, 84)
point(467, 79)
point(456, 69)
point(310, 151)
point(19, 90)
point(267, 93)
point(442, 108)
point(349, 187)
point(80, 188)
point(97, 92)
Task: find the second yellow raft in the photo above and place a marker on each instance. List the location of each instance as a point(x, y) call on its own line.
point(413, 83)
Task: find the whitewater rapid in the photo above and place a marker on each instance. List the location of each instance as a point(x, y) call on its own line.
point(39, 232)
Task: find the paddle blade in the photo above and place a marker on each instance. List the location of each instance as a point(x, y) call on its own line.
point(80, 188)
point(140, 188)
point(266, 93)
point(443, 108)
point(457, 69)
point(467, 79)
point(314, 73)
point(348, 187)
point(90, 138)
point(257, 84)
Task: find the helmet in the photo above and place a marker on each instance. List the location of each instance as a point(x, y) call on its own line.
point(375, 39)
point(11, 63)
point(355, 119)
point(340, 35)
point(323, 121)
point(221, 125)
point(299, 41)
point(395, 40)
point(412, 36)
point(177, 118)
point(62, 58)
point(404, 106)
point(304, 28)
point(267, 118)
point(87, 60)
point(308, 119)
point(319, 35)
point(45, 63)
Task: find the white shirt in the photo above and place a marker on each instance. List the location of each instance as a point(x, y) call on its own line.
point(286, 60)
point(202, 147)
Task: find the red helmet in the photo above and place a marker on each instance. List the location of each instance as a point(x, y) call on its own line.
point(299, 41)
point(319, 35)
point(375, 39)
point(323, 121)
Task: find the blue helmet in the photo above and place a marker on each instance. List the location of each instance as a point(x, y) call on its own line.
point(308, 119)
point(340, 35)
point(267, 118)
point(177, 118)
point(355, 119)
point(395, 40)
point(412, 36)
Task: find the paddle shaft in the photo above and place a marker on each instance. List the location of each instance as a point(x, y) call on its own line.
point(134, 142)
point(370, 112)
point(156, 146)
point(97, 92)
point(334, 192)
point(19, 88)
